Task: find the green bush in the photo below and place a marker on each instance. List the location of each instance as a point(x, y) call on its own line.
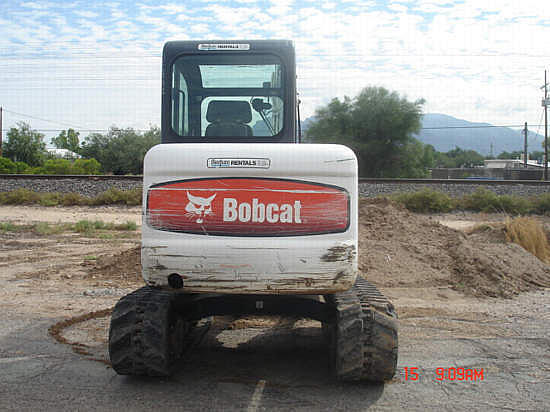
point(7, 166)
point(86, 167)
point(426, 201)
point(57, 167)
point(21, 167)
point(52, 167)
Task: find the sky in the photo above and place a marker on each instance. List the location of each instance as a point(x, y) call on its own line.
point(94, 64)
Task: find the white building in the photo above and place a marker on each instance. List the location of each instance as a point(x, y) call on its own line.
point(63, 153)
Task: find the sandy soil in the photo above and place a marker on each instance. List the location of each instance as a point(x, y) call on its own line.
point(108, 214)
point(422, 262)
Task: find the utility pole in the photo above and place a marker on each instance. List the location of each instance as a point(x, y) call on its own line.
point(545, 104)
point(0, 131)
point(525, 154)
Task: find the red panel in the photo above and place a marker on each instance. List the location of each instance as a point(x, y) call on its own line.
point(248, 207)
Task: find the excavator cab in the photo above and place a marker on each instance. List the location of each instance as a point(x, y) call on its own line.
point(240, 92)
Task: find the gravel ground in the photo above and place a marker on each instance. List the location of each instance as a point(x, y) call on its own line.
point(255, 363)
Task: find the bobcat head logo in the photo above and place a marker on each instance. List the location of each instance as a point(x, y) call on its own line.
point(199, 207)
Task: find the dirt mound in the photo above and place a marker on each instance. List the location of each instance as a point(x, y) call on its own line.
point(401, 249)
point(124, 268)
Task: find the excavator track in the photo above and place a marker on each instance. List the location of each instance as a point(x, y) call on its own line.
point(145, 334)
point(363, 339)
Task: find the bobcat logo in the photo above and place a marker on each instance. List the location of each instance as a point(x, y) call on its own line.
point(199, 206)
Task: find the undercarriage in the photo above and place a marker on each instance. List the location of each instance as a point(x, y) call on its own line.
point(151, 328)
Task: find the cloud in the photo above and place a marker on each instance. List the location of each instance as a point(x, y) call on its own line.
point(86, 13)
point(476, 59)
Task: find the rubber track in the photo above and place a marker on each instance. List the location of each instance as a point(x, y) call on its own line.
point(139, 334)
point(363, 341)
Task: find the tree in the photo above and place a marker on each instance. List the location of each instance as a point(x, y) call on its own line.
point(537, 155)
point(458, 157)
point(378, 126)
point(510, 155)
point(25, 145)
point(120, 151)
point(67, 139)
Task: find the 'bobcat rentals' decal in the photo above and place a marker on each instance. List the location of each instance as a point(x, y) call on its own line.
point(248, 207)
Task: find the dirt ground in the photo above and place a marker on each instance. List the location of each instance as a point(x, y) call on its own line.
point(447, 280)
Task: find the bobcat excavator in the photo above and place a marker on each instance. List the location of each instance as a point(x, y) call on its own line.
point(240, 219)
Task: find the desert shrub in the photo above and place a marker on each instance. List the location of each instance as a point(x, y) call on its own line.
point(74, 199)
point(541, 204)
point(514, 205)
point(19, 196)
point(529, 234)
point(425, 201)
point(482, 200)
point(114, 196)
point(50, 199)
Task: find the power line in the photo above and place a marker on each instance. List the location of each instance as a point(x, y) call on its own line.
point(44, 120)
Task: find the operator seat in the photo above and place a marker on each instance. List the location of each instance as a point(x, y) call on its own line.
point(228, 118)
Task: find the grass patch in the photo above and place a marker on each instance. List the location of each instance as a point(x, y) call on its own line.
point(44, 229)
point(87, 226)
point(8, 227)
point(529, 234)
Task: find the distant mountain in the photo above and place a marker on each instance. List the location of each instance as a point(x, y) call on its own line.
point(445, 133)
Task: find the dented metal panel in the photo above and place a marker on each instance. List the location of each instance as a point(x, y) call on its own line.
point(288, 229)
